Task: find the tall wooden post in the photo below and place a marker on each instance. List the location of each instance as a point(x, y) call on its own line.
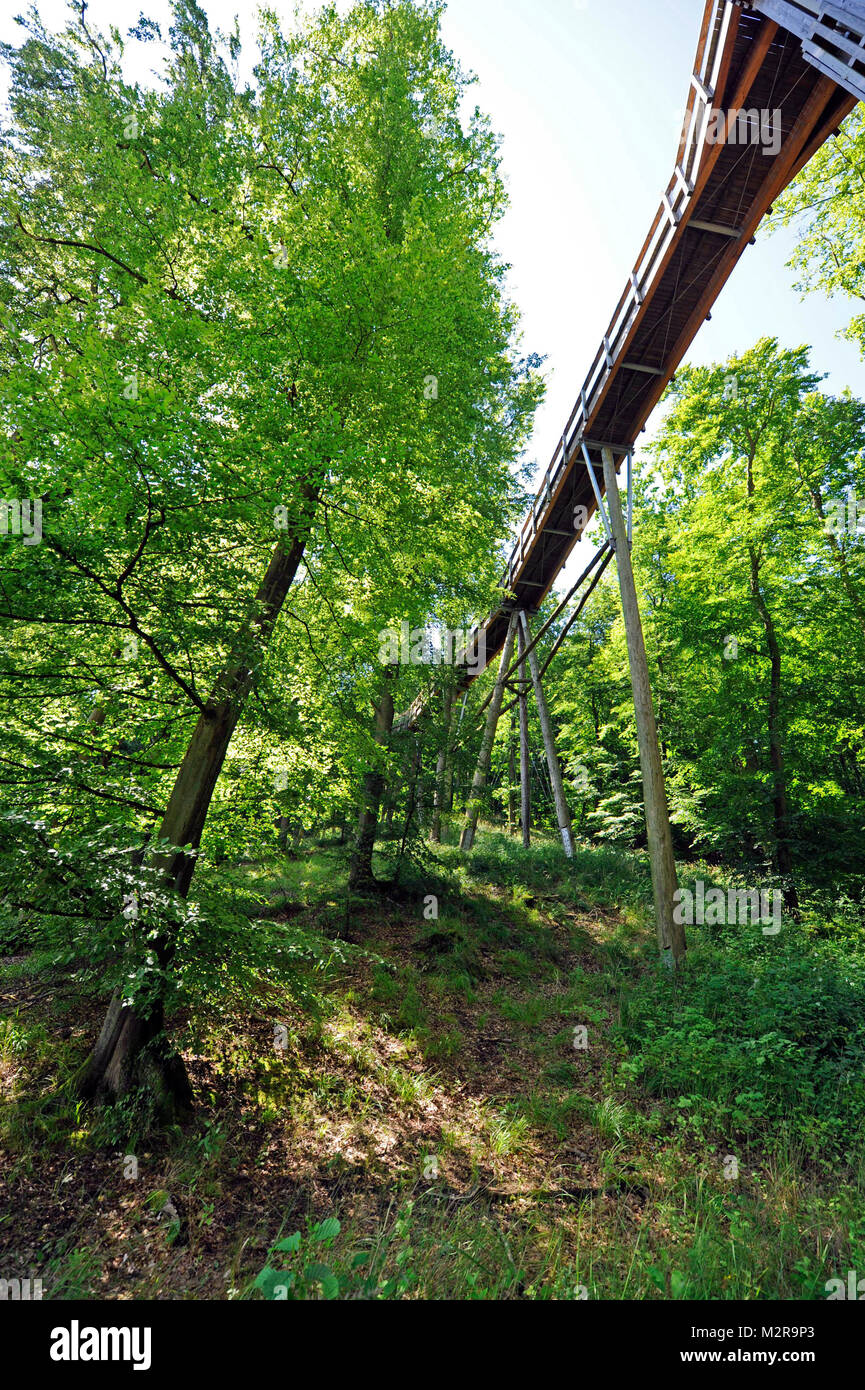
point(563, 815)
point(479, 780)
point(441, 767)
point(525, 763)
point(512, 779)
point(671, 935)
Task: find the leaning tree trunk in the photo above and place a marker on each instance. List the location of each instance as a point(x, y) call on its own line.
point(132, 1049)
point(360, 874)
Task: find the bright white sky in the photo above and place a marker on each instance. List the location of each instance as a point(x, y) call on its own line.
point(589, 97)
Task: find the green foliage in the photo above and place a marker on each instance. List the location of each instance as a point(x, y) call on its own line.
point(754, 614)
point(765, 1042)
point(304, 1277)
point(240, 317)
point(99, 909)
point(824, 204)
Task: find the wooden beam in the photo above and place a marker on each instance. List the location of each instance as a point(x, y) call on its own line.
point(512, 780)
point(600, 444)
point(671, 935)
point(715, 227)
point(563, 815)
point(525, 765)
point(756, 58)
point(608, 555)
point(777, 179)
point(479, 780)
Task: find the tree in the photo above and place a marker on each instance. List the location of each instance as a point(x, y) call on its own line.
point(233, 313)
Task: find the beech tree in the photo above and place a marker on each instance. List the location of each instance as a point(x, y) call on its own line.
point(231, 313)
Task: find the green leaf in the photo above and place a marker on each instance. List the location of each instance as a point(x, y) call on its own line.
point(291, 1243)
point(320, 1274)
point(325, 1230)
point(678, 1283)
point(271, 1279)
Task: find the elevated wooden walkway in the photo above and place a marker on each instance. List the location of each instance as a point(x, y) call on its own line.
point(805, 61)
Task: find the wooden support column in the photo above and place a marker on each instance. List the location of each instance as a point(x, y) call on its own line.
point(671, 935)
point(512, 778)
point(479, 780)
point(525, 763)
point(441, 767)
point(563, 815)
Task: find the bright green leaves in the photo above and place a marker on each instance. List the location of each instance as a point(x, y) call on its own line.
point(825, 204)
point(302, 1280)
point(217, 297)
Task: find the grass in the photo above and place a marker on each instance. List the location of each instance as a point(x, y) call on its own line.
point(510, 1100)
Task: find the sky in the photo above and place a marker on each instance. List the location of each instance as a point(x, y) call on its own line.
point(588, 96)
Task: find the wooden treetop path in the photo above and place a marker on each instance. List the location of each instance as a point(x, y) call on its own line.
point(805, 60)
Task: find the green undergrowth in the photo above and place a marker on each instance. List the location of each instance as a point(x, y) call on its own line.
point(478, 1083)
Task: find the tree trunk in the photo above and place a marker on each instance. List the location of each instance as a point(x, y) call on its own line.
point(420, 799)
point(410, 805)
point(449, 764)
point(360, 874)
point(132, 1049)
point(133, 1052)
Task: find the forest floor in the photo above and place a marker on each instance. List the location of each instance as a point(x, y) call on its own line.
point(509, 1099)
